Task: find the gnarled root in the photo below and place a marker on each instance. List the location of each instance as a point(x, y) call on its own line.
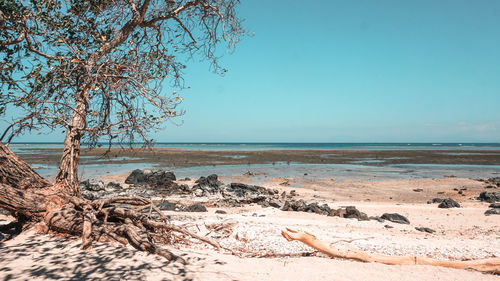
point(491, 265)
point(111, 219)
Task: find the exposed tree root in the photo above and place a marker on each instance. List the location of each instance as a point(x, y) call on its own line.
point(112, 219)
point(491, 265)
point(127, 220)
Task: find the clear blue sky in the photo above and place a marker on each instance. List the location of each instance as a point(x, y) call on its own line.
point(350, 71)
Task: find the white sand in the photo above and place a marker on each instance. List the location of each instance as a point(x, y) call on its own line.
point(460, 233)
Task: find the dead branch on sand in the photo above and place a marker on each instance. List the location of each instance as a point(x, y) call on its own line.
point(491, 265)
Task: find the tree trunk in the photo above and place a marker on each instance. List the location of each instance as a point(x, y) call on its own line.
point(67, 175)
point(16, 172)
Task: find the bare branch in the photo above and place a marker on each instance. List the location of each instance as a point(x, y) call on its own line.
point(13, 41)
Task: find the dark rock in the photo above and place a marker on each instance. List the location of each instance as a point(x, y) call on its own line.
point(207, 185)
point(135, 177)
point(234, 204)
point(495, 180)
point(285, 183)
point(211, 181)
point(395, 217)
point(276, 203)
point(492, 212)
point(340, 212)
point(302, 206)
point(250, 193)
point(418, 190)
point(440, 192)
point(425, 229)
point(353, 213)
point(437, 200)
point(491, 186)
point(151, 178)
point(490, 197)
point(286, 206)
point(167, 206)
point(293, 193)
point(350, 212)
point(495, 205)
point(92, 185)
point(388, 226)
point(263, 203)
point(298, 205)
point(449, 203)
point(113, 186)
point(195, 208)
point(222, 212)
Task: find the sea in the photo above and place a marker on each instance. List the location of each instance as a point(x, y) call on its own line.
point(242, 146)
point(338, 172)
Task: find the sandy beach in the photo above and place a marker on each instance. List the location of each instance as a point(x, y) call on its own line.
point(198, 140)
point(261, 253)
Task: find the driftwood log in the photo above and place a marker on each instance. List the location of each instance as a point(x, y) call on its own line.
point(31, 199)
point(491, 265)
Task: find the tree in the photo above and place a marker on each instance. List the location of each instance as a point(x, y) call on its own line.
point(96, 68)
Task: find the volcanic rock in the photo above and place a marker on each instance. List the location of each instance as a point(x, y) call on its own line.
point(449, 203)
point(195, 208)
point(425, 229)
point(167, 206)
point(492, 212)
point(150, 178)
point(490, 197)
point(92, 185)
point(395, 217)
point(495, 205)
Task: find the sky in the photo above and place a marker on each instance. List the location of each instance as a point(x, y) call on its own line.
point(348, 71)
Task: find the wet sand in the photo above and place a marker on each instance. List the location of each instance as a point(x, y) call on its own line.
point(190, 158)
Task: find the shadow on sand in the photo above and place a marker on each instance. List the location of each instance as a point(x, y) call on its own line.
point(41, 257)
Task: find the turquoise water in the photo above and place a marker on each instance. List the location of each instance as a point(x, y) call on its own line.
point(297, 146)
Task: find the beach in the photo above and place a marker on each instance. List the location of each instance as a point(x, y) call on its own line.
point(375, 182)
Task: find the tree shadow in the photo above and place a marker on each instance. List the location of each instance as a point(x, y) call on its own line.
point(50, 258)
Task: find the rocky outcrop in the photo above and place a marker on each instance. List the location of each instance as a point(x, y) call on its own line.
point(151, 178)
point(158, 183)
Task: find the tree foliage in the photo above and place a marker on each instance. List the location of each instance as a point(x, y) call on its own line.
point(105, 61)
